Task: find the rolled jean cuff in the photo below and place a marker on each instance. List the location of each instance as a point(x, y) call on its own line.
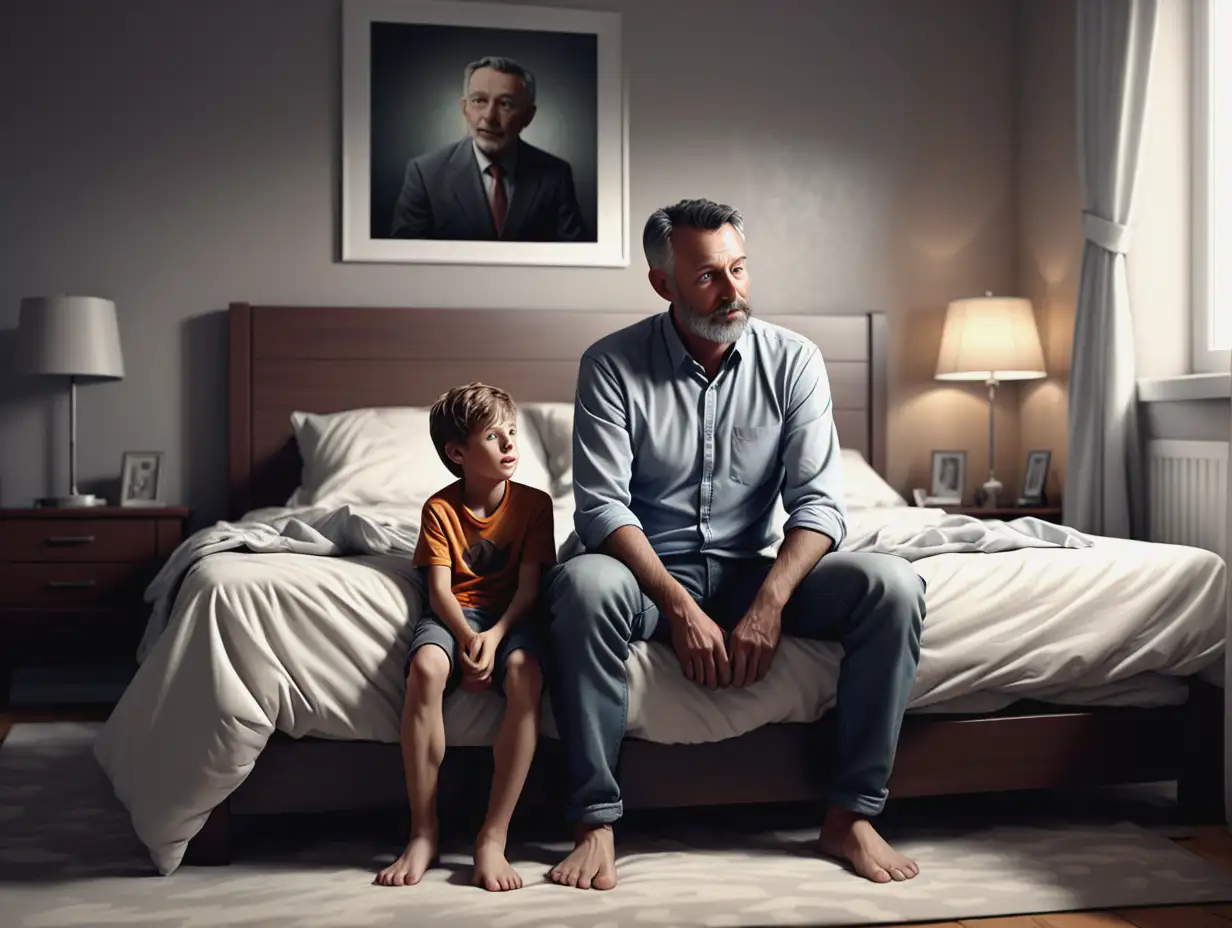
point(865, 805)
point(602, 814)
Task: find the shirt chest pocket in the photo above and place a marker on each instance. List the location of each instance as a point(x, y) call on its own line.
point(754, 453)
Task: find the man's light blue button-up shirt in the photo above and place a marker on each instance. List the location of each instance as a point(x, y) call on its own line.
point(698, 465)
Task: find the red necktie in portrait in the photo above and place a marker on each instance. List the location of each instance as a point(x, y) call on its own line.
point(499, 199)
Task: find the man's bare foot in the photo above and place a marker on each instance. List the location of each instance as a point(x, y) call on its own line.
point(592, 863)
point(492, 869)
point(852, 838)
point(409, 869)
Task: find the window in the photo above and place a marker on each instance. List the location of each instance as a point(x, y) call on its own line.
point(1212, 185)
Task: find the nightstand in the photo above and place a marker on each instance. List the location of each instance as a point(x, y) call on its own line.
point(72, 582)
point(1007, 513)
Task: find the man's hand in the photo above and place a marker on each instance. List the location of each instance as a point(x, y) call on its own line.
point(753, 644)
point(699, 646)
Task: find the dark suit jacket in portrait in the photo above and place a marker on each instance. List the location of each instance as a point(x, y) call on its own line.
point(443, 197)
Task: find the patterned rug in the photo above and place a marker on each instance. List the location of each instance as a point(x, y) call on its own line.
point(69, 858)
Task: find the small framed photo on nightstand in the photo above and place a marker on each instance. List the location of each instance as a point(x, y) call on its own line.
point(141, 478)
point(949, 477)
point(1035, 479)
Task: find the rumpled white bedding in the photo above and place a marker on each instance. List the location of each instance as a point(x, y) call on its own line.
point(297, 621)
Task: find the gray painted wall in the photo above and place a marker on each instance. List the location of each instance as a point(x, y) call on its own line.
point(189, 159)
point(1188, 420)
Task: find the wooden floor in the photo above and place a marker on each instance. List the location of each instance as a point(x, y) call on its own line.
point(1212, 842)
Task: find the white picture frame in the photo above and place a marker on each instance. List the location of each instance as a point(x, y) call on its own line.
point(451, 35)
point(949, 477)
point(141, 479)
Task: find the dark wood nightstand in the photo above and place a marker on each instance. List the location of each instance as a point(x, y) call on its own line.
point(72, 581)
point(1006, 513)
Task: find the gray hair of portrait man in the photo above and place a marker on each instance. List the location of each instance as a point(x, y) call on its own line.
point(705, 215)
point(505, 66)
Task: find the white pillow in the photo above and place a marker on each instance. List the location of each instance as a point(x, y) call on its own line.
point(554, 425)
point(369, 457)
point(863, 487)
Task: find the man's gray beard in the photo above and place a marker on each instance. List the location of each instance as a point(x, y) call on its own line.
point(711, 329)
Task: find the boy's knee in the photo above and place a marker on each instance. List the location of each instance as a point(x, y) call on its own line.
point(522, 673)
point(429, 669)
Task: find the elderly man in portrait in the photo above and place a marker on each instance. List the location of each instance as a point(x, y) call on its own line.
point(491, 185)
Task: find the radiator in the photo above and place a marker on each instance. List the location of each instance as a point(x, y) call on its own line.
point(1187, 492)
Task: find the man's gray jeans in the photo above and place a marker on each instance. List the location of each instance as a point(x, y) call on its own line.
point(872, 603)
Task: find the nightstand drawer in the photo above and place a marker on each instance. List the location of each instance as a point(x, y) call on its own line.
point(52, 586)
point(41, 540)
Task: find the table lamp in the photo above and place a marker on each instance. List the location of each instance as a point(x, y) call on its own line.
point(990, 338)
point(75, 337)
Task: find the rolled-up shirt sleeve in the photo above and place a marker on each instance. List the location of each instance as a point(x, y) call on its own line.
point(813, 486)
point(602, 455)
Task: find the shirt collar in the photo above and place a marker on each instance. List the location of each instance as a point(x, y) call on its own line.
point(679, 354)
point(507, 163)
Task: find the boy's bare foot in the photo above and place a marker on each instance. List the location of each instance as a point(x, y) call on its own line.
point(852, 838)
point(409, 868)
point(592, 863)
point(493, 871)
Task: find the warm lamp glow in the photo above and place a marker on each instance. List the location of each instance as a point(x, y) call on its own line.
point(990, 338)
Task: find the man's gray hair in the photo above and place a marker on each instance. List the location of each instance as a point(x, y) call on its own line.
point(505, 66)
point(694, 214)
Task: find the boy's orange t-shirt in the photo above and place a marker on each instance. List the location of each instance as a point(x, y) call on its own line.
point(485, 555)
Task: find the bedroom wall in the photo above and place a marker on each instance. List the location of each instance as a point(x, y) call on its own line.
point(191, 159)
point(1050, 222)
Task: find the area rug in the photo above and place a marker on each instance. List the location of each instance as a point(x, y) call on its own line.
point(68, 858)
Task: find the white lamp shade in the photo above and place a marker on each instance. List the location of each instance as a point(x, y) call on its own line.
point(69, 336)
point(990, 338)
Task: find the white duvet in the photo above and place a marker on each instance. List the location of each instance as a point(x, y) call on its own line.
point(297, 621)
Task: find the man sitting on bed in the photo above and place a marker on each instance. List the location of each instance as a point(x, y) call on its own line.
point(687, 427)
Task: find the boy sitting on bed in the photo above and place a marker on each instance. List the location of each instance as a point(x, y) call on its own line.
point(483, 541)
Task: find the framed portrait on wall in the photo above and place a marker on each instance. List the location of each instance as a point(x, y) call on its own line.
point(483, 133)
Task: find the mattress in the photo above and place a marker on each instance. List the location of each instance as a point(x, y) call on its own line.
point(1119, 623)
point(298, 621)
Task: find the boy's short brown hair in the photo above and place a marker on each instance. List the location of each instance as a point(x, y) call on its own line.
point(463, 409)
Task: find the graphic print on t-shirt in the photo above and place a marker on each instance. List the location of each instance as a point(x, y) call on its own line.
point(484, 558)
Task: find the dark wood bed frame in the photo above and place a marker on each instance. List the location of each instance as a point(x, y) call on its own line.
point(284, 358)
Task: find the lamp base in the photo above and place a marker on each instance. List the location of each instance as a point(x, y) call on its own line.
point(80, 501)
point(986, 496)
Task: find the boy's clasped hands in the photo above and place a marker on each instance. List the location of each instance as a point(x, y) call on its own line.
point(478, 657)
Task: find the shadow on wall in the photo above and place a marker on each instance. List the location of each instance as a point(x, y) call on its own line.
point(22, 400)
point(203, 357)
point(1054, 289)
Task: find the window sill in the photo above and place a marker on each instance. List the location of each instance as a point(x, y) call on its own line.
point(1188, 387)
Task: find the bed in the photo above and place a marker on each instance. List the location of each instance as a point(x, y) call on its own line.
point(270, 677)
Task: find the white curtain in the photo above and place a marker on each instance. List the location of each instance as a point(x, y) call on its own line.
point(1104, 480)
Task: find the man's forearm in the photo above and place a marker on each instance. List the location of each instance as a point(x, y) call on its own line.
point(798, 555)
point(629, 545)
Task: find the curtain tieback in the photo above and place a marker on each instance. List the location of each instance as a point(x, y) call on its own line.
point(1108, 235)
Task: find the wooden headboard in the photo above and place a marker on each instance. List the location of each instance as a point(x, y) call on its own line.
point(317, 359)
